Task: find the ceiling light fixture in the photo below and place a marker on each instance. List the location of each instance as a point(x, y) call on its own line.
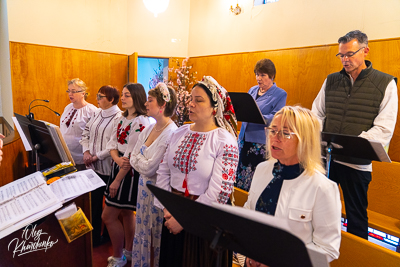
point(156, 6)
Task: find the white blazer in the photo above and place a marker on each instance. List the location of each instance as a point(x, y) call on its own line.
point(311, 204)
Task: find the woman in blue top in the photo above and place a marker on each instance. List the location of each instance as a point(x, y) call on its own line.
point(270, 99)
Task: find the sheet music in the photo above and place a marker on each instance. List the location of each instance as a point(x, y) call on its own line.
point(28, 199)
point(71, 185)
point(76, 184)
point(11, 229)
point(25, 205)
point(380, 151)
point(22, 135)
point(95, 180)
point(20, 186)
point(317, 258)
point(255, 216)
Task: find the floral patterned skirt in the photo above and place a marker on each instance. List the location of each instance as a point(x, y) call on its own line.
point(149, 221)
point(250, 155)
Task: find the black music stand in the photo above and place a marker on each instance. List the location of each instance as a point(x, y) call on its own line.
point(246, 108)
point(351, 149)
point(261, 242)
point(40, 140)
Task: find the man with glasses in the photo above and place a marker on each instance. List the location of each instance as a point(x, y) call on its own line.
point(359, 101)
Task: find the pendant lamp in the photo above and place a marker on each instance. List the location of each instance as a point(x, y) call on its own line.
point(156, 6)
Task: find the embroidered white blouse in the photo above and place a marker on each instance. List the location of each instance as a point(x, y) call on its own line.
point(125, 133)
point(206, 160)
point(146, 160)
point(96, 135)
point(72, 124)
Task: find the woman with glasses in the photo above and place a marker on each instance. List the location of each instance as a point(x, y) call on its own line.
point(96, 156)
point(200, 164)
point(122, 186)
point(146, 158)
point(269, 99)
point(291, 184)
point(74, 119)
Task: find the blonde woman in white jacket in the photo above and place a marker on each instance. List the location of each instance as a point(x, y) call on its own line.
point(292, 184)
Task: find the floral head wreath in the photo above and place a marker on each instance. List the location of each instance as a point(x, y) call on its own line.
point(224, 113)
point(164, 91)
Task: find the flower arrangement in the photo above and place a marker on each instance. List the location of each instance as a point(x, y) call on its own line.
point(158, 76)
point(182, 79)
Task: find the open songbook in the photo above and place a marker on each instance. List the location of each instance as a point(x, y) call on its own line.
point(23, 198)
point(30, 198)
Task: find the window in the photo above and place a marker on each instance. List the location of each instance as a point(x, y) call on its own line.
point(261, 2)
point(151, 71)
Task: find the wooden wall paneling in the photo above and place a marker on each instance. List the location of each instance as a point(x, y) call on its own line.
point(300, 71)
point(384, 190)
point(43, 71)
point(15, 161)
point(385, 56)
point(133, 67)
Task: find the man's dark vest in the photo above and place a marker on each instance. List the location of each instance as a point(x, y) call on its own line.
point(351, 109)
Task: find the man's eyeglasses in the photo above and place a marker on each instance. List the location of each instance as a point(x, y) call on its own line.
point(282, 135)
point(99, 96)
point(73, 92)
point(348, 55)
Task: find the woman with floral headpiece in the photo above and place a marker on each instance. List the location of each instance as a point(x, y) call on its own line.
point(200, 164)
point(145, 158)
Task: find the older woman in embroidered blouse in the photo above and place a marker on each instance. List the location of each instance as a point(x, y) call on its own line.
point(74, 119)
point(94, 141)
point(199, 163)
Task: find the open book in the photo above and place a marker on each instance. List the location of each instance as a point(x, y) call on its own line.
point(24, 198)
point(30, 198)
point(58, 140)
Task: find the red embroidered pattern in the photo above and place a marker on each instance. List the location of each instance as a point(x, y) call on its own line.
point(122, 134)
point(230, 160)
point(141, 128)
point(185, 156)
point(68, 122)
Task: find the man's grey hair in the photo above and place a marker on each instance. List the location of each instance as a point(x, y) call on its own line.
point(361, 37)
